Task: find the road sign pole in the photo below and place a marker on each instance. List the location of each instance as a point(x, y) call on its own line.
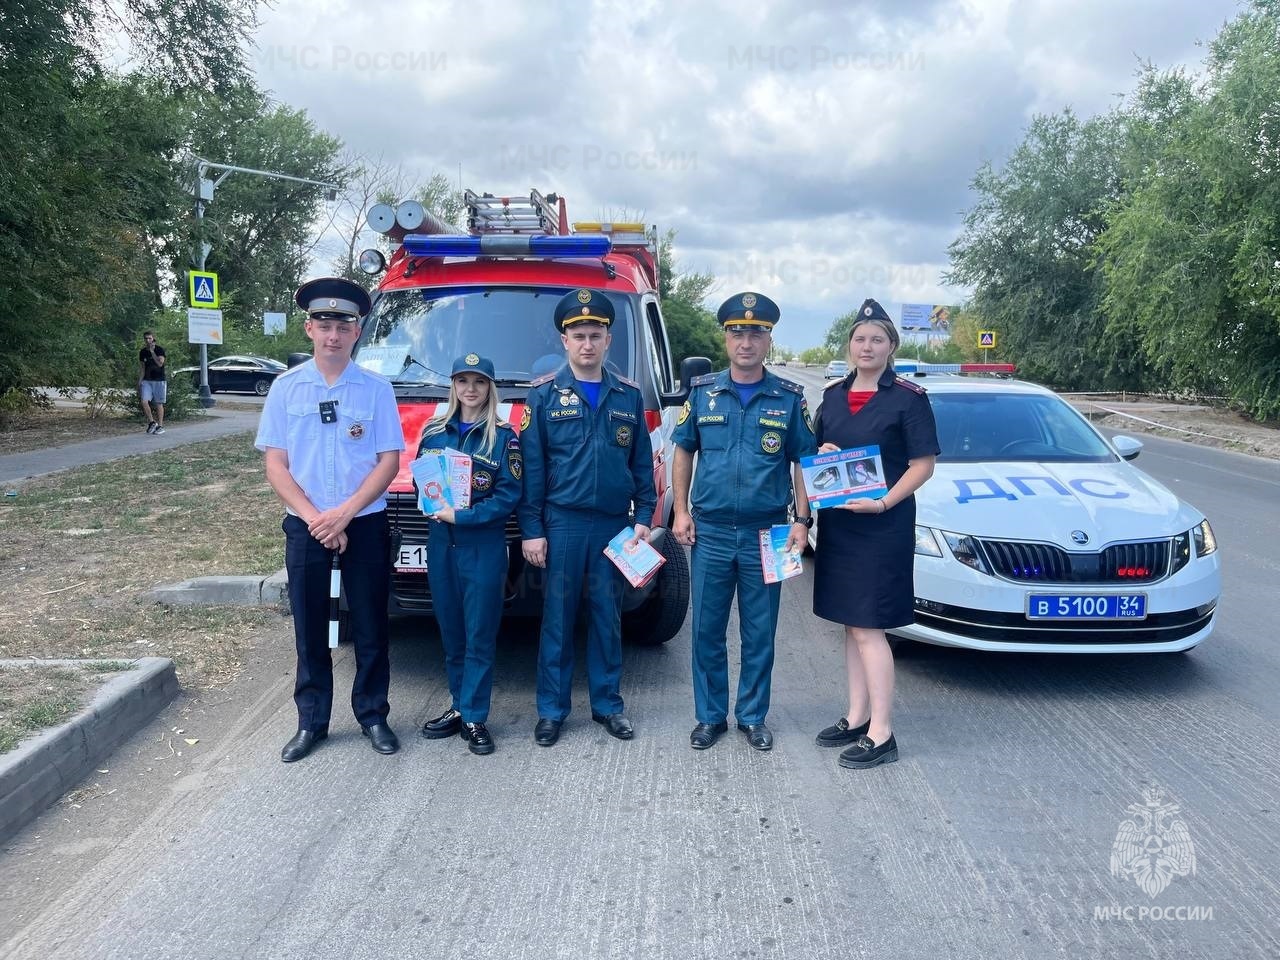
point(206, 395)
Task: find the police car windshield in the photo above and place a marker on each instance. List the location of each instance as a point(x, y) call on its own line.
point(413, 336)
point(1014, 426)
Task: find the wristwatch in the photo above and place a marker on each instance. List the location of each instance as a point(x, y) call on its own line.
point(807, 521)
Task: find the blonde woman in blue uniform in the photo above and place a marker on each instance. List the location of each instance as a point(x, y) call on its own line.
point(467, 548)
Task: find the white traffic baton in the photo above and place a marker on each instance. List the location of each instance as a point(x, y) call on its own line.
point(335, 591)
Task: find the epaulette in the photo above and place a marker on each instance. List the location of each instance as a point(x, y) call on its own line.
point(543, 379)
point(629, 383)
point(790, 385)
point(834, 383)
point(703, 380)
point(913, 387)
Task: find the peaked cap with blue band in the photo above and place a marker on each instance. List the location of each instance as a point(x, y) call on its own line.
point(583, 306)
point(749, 310)
point(332, 298)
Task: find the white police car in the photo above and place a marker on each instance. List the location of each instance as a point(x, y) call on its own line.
point(1035, 534)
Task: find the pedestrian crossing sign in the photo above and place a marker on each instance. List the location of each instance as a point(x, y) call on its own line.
point(987, 339)
point(202, 289)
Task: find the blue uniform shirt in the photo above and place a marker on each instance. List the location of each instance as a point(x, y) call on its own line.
point(580, 457)
point(329, 461)
point(496, 476)
point(744, 452)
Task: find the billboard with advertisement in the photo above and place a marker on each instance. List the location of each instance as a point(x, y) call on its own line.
point(931, 318)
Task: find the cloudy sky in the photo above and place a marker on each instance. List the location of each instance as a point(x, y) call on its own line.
point(819, 152)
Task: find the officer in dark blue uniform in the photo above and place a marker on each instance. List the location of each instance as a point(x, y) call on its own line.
point(588, 459)
point(467, 547)
point(331, 439)
point(748, 427)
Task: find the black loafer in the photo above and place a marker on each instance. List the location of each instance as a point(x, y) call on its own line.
point(478, 740)
point(864, 753)
point(840, 734)
point(303, 742)
point(705, 735)
point(547, 732)
point(758, 735)
point(617, 724)
point(445, 725)
point(381, 737)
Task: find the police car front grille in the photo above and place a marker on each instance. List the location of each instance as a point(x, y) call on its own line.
point(1138, 562)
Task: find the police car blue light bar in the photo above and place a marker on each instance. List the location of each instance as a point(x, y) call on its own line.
point(506, 245)
point(915, 366)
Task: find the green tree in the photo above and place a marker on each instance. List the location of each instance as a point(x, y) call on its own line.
point(1192, 259)
point(691, 327)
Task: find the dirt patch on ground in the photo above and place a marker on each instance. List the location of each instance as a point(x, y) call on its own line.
point(80, 550)
point(59, 426)
point(1208, 426)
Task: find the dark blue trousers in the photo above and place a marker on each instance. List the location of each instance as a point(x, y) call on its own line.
point(576, 565)
point(366, 580)
point(726, 559)
point(467, 568)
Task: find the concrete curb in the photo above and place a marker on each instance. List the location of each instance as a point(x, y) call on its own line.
point(248, 591)
point(43, 768)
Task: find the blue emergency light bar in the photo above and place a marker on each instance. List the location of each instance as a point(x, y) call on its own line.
point(506, 245)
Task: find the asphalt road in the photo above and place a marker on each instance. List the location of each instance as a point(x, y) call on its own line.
point(990, 838)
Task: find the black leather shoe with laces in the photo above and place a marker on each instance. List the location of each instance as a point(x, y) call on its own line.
point(705, 735)
point(478, 740)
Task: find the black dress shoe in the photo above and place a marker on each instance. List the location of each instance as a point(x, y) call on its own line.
point(617, 724)
point(478, 740)
point(547, 732)
point(303, 742)
point(445, 725)
point(758, 735)
point(380, 735)
point(865, 753)
point(840, 734)
point(705, 735)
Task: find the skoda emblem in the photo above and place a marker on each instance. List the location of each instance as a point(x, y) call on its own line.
point(1079, 536)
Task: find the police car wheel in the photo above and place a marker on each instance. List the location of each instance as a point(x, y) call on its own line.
point(662, 615)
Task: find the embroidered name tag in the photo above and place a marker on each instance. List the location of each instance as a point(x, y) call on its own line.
point(711, 418)
point(564, 413)
point(770, 422)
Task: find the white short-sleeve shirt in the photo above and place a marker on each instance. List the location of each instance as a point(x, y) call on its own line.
point(329, 461)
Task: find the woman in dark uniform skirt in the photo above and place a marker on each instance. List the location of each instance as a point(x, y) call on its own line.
point(866, 548)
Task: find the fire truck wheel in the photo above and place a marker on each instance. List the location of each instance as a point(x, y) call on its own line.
point(661, 616)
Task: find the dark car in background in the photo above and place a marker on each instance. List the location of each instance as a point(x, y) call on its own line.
point(238, 374)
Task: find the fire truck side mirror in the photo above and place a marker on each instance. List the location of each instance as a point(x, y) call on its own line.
point(690, 367)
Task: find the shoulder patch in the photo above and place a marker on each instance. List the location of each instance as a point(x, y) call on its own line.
point(546, 377)
point(703, 380)
point(790, 385)
point(907, 384)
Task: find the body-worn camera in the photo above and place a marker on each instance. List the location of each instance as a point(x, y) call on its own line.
point(328, 411)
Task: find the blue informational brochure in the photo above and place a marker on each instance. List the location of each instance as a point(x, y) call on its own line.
point(638, 563)
point(843, 475)
point(778, 562)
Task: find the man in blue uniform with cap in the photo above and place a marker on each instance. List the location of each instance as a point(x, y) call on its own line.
point(749, 428)
point(588, 459)
point(331, 439)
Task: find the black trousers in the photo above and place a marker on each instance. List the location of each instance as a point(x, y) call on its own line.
point(366, 580)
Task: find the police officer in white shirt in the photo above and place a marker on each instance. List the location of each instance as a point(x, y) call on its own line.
point(331, 437)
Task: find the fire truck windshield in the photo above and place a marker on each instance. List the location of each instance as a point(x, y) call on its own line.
point(413, 336)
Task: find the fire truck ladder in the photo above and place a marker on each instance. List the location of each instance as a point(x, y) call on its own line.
point(535, 214)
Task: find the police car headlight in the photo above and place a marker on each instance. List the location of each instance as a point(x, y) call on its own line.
point(1206, 543)
point(372, 262)
point(926, 542)
point(966, 551)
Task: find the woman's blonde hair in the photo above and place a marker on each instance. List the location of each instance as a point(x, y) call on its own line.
point(489, 417)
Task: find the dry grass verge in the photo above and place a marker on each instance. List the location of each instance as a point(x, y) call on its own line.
point(34, 697)
point(80, 549)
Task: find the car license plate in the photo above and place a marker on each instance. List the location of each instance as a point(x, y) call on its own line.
point(412, 558)
point(1108, 606)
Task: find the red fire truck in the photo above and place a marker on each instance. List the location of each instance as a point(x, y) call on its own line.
point(492, 291)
